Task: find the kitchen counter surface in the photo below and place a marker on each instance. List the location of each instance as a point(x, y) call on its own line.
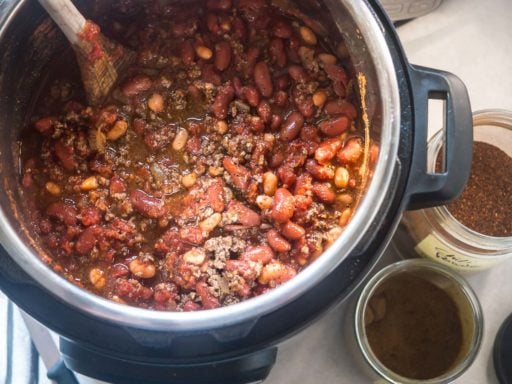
point(472, 39)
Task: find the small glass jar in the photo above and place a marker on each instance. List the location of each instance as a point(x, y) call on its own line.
point(464, 298)
point(436, 234)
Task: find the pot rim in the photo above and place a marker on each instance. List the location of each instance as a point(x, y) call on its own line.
point(250, 310)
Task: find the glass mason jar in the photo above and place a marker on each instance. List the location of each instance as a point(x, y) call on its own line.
point(464, 298)
point(434, 233)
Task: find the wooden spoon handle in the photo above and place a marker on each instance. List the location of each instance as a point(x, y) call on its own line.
point(67, 17)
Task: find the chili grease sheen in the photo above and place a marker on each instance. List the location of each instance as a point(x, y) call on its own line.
point(228, 159)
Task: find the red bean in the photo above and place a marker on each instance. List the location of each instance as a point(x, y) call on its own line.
point(209, 301)
point(292, 126)
point(219, 5)
point(245, 216)
point(87, 240)
point(45, 125)
point(263, 79)
point(292, 231)
point(275, 122)
point(66, 213)
point(297, 73)
point(252, 95)
point(339, 107)
point(286, 175)
point(221, 103)
point(187, 52)
point(251, 58)
point(335, 126)
point(215, 195)
point(239, 174)
point(136, 85)
point(324, 193)
point(303, 184)
point(336, 73)
point(283, 82)
point(277, 242)
point(147, 205)
point(222, 55)
point(90, 216)
point(277, 53)
point(351, 152)
point(281, 99)
point(66, 155)
point(212, 22)
point(319, 172)
point(327, 150)
point(259, 254)
point(304, 103)
point(265, 111)
point(243, 267)
point(282, 29)
point(283, 206)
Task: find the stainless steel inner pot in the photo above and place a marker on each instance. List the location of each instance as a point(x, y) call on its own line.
point(24, 61)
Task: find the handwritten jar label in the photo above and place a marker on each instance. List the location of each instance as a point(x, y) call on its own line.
point(433, 248)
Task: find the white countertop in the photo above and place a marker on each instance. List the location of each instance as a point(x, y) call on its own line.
point(472, 39)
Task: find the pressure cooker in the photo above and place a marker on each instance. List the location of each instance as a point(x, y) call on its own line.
point(235, 344)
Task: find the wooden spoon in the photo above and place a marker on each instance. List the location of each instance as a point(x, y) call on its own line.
point(100, 60)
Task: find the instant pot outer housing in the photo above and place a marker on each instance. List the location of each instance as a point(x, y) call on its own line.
point(122, 344)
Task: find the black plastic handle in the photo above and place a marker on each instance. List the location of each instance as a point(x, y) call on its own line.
point(127, 369)
point(426, 189)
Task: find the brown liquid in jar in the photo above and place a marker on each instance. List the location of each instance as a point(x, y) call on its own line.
point(413, 327)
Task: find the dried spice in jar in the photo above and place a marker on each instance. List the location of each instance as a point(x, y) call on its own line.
point(475, 231)
point(485, 206)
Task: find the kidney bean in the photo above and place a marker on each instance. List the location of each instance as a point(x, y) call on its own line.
point(90, 216)
point(252, 95)
point(283, 207)
point(327, 150)
point(253, 53)
point(147, 205)
point(277, 53)
point(260, 254)
point(275, 122)
point(286, 175)
point(336, 73)
point(339, 107)
point(292, 126)
point(335, 126)
point(276, 272)
point(292, 231)
point(222, 55)
point(244, 268)
point(87, 240)
point(283, 82)
point(339, 89)
point(282, 29)
point(221, 103)
point(210, 76)
point(245, 216)
point(191, 235)
point(209, 301)
point(66, 213)
point(276, 159)
point(66, 155)
point(45, 125)
point(187, 52)
point(351, 152)
point(136, 85)
point(324, 192)
point(277, 242)
point(297, 73)
point(219, 5)
point(319, 172)
point(304, 103)
point(263, 79)
point(239, 174)
point(215, 195)
point(281, 99)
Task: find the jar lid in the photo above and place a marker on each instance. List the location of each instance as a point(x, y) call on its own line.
point(503, 352)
